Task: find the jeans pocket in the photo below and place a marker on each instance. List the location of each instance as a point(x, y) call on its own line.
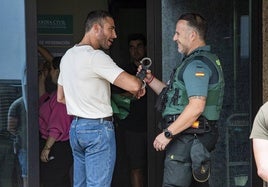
point(89, 139)
point(109, 126)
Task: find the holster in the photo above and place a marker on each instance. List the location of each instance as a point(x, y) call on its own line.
point(161, 100)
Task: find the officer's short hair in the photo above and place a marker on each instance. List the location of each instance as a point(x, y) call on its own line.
point(196, 21)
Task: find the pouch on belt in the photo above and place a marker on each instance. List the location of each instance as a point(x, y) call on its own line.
point(200, 161)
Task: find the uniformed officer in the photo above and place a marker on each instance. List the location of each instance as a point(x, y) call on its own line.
point(190, 103)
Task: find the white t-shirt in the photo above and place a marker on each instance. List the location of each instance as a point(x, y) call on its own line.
point(86, 74)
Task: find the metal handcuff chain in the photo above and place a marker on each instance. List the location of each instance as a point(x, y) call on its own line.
point(146, 62)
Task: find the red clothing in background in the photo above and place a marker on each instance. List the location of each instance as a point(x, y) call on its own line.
point(53, 118)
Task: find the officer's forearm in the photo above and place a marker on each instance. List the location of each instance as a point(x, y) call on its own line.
point(156, 85)
point(189, 115)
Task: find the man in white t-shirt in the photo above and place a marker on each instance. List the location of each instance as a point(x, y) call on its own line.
point(84, 86)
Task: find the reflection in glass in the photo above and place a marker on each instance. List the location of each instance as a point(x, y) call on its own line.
point(12, 59)
point(13, 133)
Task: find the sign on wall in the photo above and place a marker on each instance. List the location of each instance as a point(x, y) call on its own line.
point(55, 32)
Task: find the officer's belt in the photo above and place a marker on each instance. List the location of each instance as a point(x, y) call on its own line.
point(204, 124)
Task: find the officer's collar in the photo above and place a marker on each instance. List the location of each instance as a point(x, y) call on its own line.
point(198, 50)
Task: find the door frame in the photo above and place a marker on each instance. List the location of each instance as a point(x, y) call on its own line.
point(32, 90)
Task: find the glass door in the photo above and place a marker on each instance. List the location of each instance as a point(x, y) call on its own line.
point(19, 160)
point(13, 115)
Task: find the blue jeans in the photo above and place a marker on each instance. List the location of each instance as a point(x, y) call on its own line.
point(22, 156)
point(94, 151)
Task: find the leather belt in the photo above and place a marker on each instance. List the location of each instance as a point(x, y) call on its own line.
point(109, 118)
point(203, 127)
point(170, 118)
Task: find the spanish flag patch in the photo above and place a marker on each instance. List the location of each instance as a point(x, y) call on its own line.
point(199, 74)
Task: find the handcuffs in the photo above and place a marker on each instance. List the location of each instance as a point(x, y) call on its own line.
point(146, 62)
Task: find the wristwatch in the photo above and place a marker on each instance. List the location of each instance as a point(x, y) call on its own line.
point(168, 134)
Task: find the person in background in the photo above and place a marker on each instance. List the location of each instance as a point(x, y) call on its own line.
point(17, 126)
point(84, 85)
point(54, 124)
point(135, 124)
point(45, 53)
point(190, 103)
point(259, 136)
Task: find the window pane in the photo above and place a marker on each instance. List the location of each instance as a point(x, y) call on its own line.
point(13, 122)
